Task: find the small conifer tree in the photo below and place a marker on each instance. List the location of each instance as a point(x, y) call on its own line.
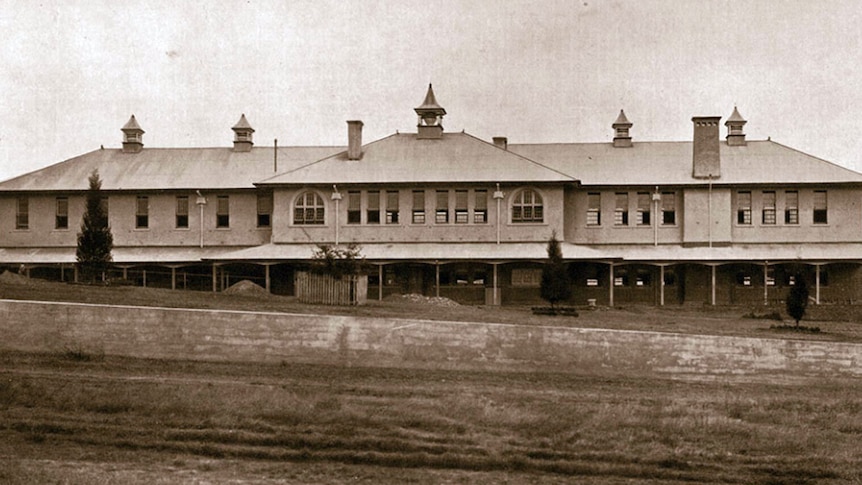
point(556, 285)
point(95, 240)
point(797, 300)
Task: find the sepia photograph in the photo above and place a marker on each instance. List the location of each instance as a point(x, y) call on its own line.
point(443, 242)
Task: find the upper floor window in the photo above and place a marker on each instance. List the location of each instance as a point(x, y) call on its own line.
point(528, 207)
point(594, 209)
point(820, 208)
point(791, 207)
point(480, 208)
point(768, 211)
point(372, 213)
point(61, 214)
point(442, 214)
point(668, 208)
point(308, 209)
point(621, 210)
point(743, 208)
point(462, 215)
point(418, 207)
point(223, 211)
point(182, 212)
point(354, 208)
point(643, 214)
point(392, 207)
point(142, 212)
point(264, 210)
point(22, 213)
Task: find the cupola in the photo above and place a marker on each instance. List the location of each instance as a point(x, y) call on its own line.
point(734, 124)
point(430, 117)
point(622, 138)
point(133, 139)
point(242, 138)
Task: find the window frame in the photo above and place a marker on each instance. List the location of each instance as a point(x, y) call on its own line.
point(61, 213)
point(22, 213)
point(621, 209)
point(441, 211)
point(528, 210)
point(480, 206)
point(222, 212)
point(743, 208)
point(181, 212)
point(354, 207)
point(594, 209)
point(819, 215)
point(372, 207)
point(668, 210)
point(768, 210)
point(791, 212)
point(301, 207)
point(264, 209)
point(392, 203)
point(418, 210)
point(142, 212)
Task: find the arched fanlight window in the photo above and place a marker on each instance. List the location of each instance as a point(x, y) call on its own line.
point(527, 207)
point(309, 209)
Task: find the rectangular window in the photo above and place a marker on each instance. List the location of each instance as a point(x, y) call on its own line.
point(142, 212)
point(621, 212)
point(594, 209)
point(527, 277)
point(480, 209)
point(442, 214)
point(22, 213)
point(392, 207)
point(462, 215)
point(61, 214)
point(743, 208)
point(644, 203)
point(222, 211)
point(372, 212)
point(264, 210)
point(668, 208)
point(182, 216)
point(820, 208)
point(791, 207)
point(768, 216)
point(418, 207)
point(354, 211)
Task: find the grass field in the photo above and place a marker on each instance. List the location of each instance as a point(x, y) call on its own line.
point(67, 419)
point(75, 417)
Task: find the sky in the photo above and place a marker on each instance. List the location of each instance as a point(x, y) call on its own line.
point(544, 71)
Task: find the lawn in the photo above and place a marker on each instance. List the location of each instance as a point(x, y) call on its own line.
point(66, 419)
point(78, 418)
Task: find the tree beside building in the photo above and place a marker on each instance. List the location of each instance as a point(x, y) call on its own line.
point(95, 240)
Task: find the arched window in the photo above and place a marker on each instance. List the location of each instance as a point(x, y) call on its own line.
point(309, 209)
point(527, 207)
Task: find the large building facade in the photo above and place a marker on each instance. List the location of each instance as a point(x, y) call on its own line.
point(714, 220)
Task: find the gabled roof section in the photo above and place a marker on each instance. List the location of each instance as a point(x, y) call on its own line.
point(405, 158)
point(669, 163)
point(622, 120)
point(242, 124)
point(131, 125)
point(168, 169)
point(735, 116)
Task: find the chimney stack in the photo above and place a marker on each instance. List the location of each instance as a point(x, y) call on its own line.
point(706, 158)
point(133, 140)
point(354, 139)
point(242, 139)
point(501, 142)
point(734, 124)
point(622, 138)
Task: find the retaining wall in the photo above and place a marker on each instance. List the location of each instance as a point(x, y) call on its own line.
point(164, 333)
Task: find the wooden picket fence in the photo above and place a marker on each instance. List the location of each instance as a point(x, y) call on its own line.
point(326, 290)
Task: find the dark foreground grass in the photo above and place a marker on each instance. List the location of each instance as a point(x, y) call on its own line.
point(109, 420)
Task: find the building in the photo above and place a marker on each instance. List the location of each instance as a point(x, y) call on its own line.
point(714, 221)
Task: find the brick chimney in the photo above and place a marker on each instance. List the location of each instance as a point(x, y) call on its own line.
point(242, 138)
point(734, 124)
point(354, 140)
point(501, 142)
point(706, 158)
point(133, 140)
point(622, 138)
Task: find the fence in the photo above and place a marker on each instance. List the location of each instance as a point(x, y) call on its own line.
point(326, 290)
